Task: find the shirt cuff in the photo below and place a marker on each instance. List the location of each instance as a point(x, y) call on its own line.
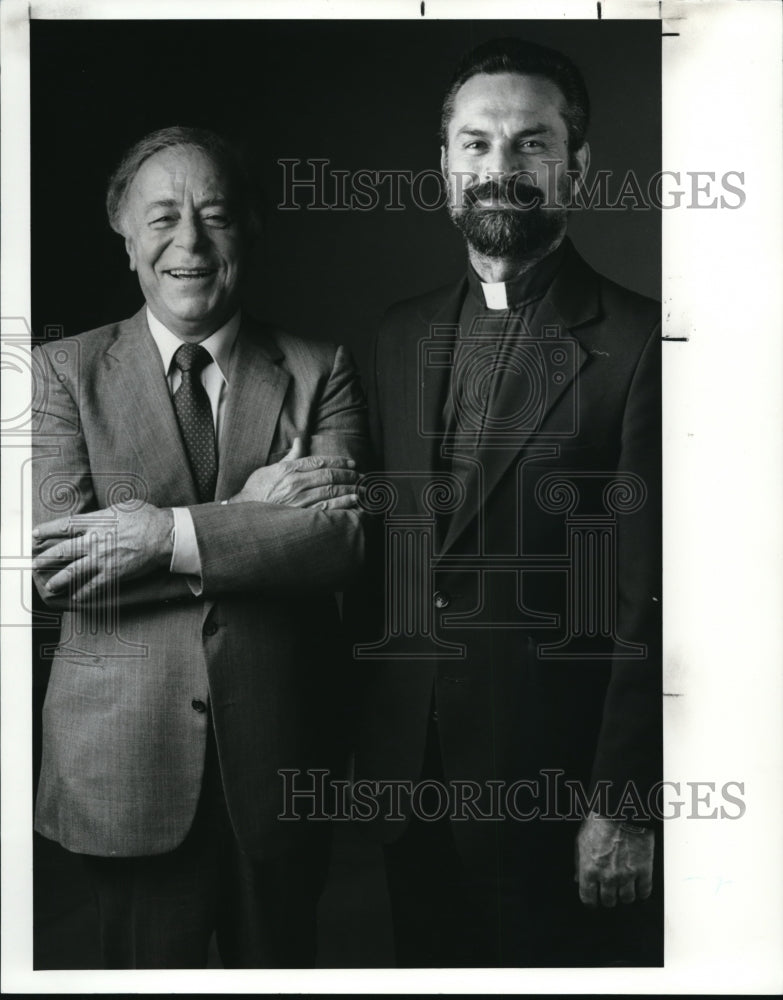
point(185, 558)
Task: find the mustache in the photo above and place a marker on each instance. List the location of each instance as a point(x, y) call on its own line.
point(515, 191)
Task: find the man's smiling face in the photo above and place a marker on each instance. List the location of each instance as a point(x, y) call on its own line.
point(506, 135)
point(184, 241)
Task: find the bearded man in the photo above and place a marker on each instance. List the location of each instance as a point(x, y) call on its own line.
point(528, 393)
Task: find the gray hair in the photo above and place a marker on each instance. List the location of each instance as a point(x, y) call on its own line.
point(212, 145)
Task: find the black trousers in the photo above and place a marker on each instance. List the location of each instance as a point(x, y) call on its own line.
point(159, 912)
point(516, 905)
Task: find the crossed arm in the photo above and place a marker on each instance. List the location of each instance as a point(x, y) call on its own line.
point(293, 526)
point(86, 553)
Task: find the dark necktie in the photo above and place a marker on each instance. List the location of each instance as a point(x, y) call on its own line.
point(194, 416)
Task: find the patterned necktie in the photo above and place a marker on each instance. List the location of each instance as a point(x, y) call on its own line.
point(194, 416)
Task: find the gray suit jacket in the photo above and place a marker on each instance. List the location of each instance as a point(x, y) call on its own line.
point(124, 733)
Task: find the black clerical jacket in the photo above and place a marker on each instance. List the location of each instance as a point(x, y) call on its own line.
point(520, 580)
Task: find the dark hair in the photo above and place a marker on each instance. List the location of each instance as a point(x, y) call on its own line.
point(218, 149)
point(514, 55)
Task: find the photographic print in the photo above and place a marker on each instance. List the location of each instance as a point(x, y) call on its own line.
point(367, 556)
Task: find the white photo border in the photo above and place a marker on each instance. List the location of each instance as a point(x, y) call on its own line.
point(723, 497)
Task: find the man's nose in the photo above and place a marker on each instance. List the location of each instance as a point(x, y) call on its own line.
point(190, 233)
point(501, 161)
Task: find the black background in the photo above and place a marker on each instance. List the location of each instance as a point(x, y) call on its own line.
point(362, 94)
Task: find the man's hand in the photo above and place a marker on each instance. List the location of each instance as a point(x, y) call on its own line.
point(315, 481)
point(613, 862)
point(90, 551)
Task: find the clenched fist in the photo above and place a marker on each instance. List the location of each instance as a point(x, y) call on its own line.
point(613, 862)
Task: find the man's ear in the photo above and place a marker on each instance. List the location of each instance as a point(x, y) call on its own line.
point(580, 162)
point(131, 252)
point(444, 163)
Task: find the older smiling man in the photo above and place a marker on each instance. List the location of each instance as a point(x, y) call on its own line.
point(200, 641)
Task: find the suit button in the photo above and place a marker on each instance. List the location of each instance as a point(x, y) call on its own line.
point(198, 705)
point(210, 629)
point(441, 599)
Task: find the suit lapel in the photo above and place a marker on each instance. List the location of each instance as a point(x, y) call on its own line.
point(144, 411)
point(142, 403)
point(571, 300)
point(257, 388)
point(430, 364)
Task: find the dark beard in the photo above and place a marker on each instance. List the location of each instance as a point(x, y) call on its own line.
point(509, 233)
point(518, 229)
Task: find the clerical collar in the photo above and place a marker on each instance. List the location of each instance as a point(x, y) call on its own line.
point(527, 287)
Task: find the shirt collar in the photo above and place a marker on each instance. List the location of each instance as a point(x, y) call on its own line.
point(517, 292)
point(219, 344)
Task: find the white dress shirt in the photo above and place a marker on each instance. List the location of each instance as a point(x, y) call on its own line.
point(185, 557)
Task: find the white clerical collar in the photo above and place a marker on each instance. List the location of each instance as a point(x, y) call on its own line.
point(495, 294)
point(219, 344)
point(521, 289)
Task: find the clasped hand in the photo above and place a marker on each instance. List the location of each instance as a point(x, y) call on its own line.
point(299, 481)
point(90, 551)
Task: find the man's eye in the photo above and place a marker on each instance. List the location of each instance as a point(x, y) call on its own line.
point(217, 219)
point(476, 145)
point(162, 220)
point(531, 144)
